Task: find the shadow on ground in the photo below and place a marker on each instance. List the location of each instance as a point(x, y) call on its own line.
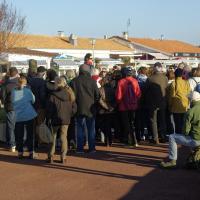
point(174, 184)
point(159, 184)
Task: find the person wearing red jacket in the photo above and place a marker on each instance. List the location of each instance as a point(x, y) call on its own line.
point(127, 96)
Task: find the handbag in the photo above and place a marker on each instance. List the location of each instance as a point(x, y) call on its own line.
point(45, 133)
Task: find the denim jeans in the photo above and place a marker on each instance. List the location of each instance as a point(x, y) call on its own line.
point(90, 124)
point(10, 128)
point(175, 139)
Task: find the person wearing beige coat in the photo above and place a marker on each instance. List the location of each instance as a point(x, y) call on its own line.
point(179, 91)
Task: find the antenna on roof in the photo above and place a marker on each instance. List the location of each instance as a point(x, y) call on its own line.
point(128, 24)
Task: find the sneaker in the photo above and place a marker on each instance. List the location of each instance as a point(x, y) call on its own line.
point(92, 151)
point(169, 164)
point(63, 160)
point(13, 149)
point(136, 145)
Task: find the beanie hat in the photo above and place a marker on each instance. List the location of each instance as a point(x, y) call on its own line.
point(195, 96)
point(127, 71)
point(87, 56)
point(178, 72)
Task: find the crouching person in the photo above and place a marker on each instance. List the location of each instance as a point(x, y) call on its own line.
point(23, 99)
point(191, 132)
point(60, 108)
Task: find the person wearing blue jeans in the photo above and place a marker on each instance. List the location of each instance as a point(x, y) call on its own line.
point(89, 122)
point(175, 139)
point(10, 128)
point(87, 98)
point(10, 83)
point(191, 131)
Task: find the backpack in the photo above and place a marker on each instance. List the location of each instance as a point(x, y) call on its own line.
point(130, 99)
point(193, 161)
point(197, 87)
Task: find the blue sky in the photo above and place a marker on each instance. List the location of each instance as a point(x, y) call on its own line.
point(175, 19)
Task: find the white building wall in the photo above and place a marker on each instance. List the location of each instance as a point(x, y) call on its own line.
point(81, 53)
point(20, 57)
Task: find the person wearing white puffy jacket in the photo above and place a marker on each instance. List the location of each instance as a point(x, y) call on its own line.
point(195, 78)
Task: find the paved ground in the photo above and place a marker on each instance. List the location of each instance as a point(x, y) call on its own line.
point(110, 174)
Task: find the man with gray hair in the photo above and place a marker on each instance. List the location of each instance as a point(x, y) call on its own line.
point(87, 96)
point(155, 100)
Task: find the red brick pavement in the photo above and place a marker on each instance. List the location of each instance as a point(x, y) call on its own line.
point(109, 174)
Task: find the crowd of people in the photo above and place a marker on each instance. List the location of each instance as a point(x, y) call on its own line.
point(155, 104)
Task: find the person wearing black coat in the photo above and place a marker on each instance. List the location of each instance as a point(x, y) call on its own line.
point(59, 110)
point(107, 109)
point(87, 96)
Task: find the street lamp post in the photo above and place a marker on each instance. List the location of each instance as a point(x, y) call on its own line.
point(93, 42)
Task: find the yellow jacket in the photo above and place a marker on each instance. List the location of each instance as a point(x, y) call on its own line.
point(178, 96)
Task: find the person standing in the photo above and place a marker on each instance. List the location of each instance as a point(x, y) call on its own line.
point(38, 87)
point(178, 99)
point(23, 100)
point(59, 110)
point(127, 96)
point(10, 83)
point(156, 102)
point(87, 96)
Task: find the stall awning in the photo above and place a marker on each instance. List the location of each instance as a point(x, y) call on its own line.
point(159, 56)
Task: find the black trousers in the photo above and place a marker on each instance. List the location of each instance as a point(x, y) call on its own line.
point(19, 135)
point(127, 122)
point(178, 120)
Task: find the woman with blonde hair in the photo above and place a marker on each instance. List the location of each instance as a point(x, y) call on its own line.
point(23, 99)
point(59, 111)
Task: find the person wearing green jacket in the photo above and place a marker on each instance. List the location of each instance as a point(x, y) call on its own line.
point(191, 131)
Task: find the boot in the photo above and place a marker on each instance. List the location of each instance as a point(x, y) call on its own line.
point(169, 164)
point(50, 159)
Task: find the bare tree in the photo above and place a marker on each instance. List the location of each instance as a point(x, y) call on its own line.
point(12, 24)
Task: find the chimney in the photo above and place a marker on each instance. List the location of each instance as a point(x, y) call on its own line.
point(105, 37)
point(73, 40)
point(162, 37)
point(125, 35)
point(61, 34)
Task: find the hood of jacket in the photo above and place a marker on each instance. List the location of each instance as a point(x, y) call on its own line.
point(51, 86)
point(61, 94)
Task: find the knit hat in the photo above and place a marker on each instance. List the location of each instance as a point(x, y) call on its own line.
point(127, 71)
point(195, 96)
point(178, 72)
